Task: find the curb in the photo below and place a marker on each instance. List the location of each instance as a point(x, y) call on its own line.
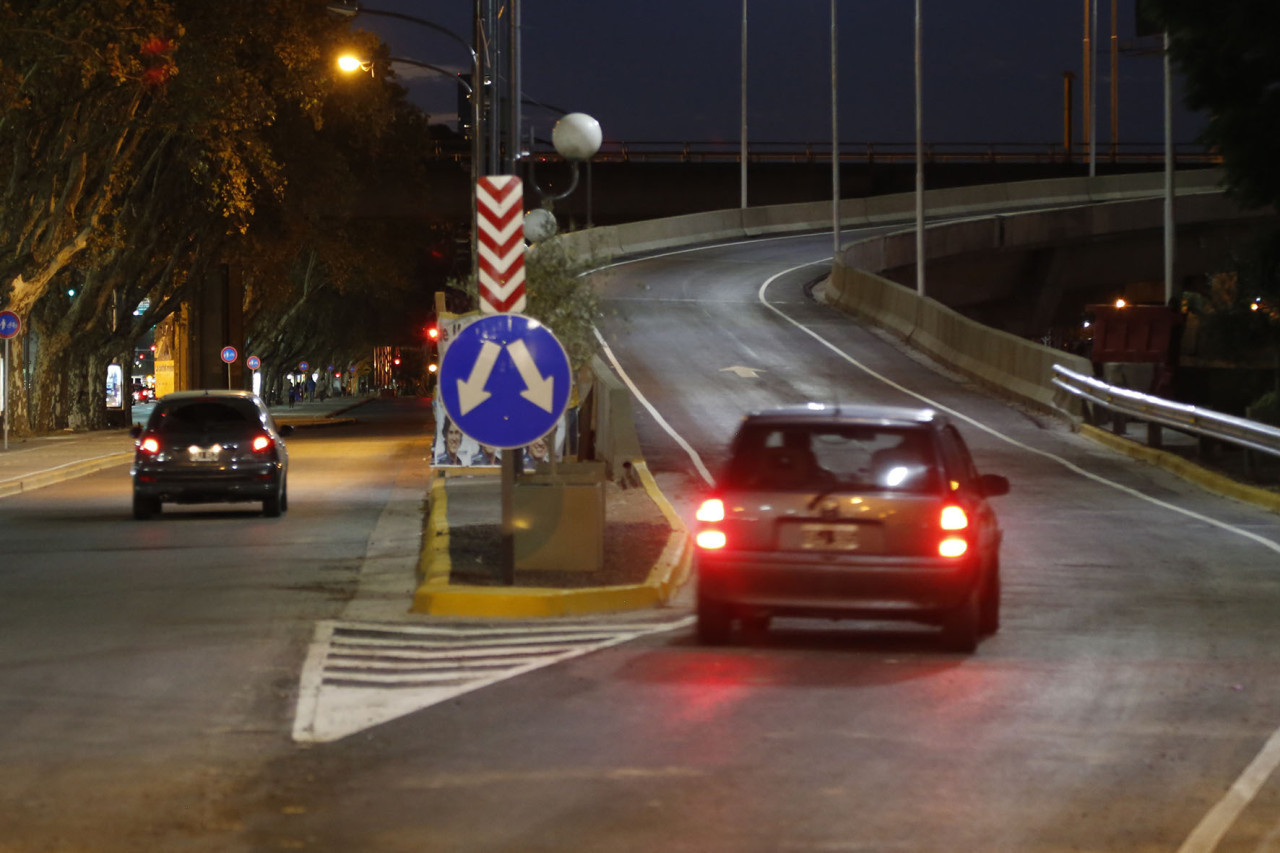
point(434, 596)
point(1172, 462)
point(71, 470)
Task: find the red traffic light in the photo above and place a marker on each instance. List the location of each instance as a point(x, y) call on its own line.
point(433, 333)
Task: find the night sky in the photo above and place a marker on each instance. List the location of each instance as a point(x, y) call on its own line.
point(669, 70)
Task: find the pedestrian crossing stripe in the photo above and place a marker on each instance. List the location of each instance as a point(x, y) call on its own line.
point(360, 675)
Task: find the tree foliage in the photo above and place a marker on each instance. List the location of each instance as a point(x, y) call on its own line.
point(1226, 53)
point(143, 143)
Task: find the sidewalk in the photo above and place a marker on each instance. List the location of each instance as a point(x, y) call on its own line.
point(31, 463)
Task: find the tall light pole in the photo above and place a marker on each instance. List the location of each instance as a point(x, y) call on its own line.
point(742, 180)
point(835, 142)
point(919, 161)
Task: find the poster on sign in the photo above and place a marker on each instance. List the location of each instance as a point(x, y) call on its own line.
point(453, 449)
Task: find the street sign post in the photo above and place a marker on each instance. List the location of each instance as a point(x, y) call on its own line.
point(10, 325)
point(505, 380)
point(229, 355)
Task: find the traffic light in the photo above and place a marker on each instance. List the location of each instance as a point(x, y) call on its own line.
point(433, 333)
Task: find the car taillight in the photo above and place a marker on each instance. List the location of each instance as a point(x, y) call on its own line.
point(262, 443)
point(710, 511)
point(953, 519)
point(149, 444)
point(711, 539)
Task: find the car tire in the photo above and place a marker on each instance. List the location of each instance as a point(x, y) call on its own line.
point(284, 497)
point(714, 623)
point(960, 624)
point(145, 507)
point(990, 619)
point(756, 626)
point(272, 505)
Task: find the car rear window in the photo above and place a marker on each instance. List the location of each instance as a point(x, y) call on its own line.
point(809, 458)
point(205, 415)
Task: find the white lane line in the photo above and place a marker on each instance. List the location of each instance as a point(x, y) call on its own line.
point(1205, 837)
point(644, 401)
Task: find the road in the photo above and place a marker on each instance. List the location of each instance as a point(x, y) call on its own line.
point(1131, 687)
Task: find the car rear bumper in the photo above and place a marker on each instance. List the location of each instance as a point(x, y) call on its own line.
point(240, 484)
point(917, 589)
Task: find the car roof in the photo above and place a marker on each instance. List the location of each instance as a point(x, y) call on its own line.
point(813, 414)
point(223, 393)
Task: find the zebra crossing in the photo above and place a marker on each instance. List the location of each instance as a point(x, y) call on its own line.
point(358, 675)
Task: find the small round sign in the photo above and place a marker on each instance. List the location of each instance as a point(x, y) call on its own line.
point(253, 362)
point(229, 354)
point(302, 366)
point(10, 325)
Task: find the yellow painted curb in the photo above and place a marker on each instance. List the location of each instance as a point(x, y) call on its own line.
point(436, 597)
point(1172, 462)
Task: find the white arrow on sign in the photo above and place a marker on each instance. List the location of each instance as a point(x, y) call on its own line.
point(471, 391)
point(539, 391)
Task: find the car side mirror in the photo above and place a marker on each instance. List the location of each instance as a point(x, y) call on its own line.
point(136, 430)
point(993, 485)
point(286, 429)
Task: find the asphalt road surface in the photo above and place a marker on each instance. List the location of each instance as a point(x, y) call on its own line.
point(149, 675)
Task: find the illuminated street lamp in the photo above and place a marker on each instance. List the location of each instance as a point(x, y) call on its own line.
point(577, 138)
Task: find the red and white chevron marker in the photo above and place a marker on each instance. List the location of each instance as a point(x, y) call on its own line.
point(500, 233)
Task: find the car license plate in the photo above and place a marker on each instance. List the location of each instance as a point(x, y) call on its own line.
point(203, 454)
point(829, 537)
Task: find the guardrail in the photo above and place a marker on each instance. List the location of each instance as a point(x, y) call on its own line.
point(677, 151)
point(1180, 416)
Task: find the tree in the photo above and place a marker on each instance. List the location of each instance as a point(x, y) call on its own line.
point(1227, 55)
point(146, 142)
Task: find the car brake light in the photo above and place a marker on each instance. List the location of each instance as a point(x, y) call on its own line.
point(712, 509)
point(149, 444)
point(261, 443)
point(954, 518)
point(711, 539)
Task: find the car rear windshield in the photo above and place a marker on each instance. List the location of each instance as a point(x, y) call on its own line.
point(832, 457)
point(206, 416)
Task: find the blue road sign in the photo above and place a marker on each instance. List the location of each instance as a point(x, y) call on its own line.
point(504, 380)
point(253, 362)
point(229, 354)
point(10, 325)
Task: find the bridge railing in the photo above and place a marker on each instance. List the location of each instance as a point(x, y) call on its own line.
point(886, 152)
point(1180, 416)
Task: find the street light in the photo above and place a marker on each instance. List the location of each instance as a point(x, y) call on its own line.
point(475, 90)
point(577, 138)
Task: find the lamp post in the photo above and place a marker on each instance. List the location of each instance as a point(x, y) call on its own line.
point(475, 90)
point(577, 138)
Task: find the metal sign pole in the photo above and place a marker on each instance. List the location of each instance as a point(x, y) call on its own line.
point(4, 380)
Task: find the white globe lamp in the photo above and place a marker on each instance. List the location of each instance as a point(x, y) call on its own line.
point(577, 136)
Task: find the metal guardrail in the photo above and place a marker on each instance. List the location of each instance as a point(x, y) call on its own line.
point(1187, 154)
point(1179, 416)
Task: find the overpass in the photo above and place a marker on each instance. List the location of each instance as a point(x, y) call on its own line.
point(1022, 260)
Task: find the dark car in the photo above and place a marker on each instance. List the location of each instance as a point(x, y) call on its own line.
point(850, 512)
point(210, 446)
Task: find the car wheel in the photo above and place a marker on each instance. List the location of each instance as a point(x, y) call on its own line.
point(272, 506)
point(960, 625)
point(145, 507)
point(714, 623)
point(990, 622)
point(284, 497)
point(756, 625)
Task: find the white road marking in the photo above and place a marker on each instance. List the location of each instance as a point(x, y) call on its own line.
point(359, 675)
point(1205, 837)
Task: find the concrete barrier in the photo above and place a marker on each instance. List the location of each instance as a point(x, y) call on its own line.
point(992, 357)
point(995, 359)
